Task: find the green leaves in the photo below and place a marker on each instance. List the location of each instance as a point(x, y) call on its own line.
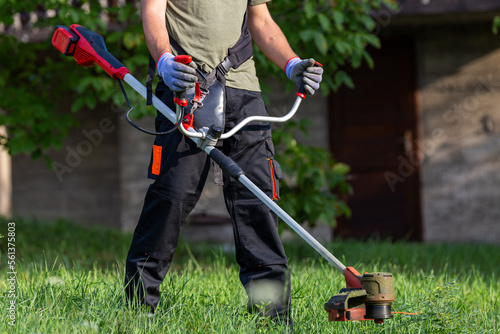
point(36, 127)
point(495, 25)
point(338, 19)
point(310, 9)
point(36, 81)
point(314, 182)
point(317, 37)
point(335, 33)
point(132, 40)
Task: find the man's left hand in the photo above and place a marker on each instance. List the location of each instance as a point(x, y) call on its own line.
point(303, 71)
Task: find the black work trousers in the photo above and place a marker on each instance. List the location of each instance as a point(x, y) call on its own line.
point(180, 170)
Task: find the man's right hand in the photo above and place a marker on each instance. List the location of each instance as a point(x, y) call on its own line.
point(178, 77)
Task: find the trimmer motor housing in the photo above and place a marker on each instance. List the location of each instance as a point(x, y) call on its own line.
point(87, 48)
point(367, 297)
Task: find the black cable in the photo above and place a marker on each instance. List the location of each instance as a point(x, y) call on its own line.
point(135, 125)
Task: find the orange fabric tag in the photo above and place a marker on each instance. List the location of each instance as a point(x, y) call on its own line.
point(156, 165)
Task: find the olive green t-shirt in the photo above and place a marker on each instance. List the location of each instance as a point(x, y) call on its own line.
point(207, 29)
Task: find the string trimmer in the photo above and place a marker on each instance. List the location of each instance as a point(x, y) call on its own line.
point(365, 297)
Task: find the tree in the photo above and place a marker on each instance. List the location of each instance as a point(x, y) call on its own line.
point(34, 75)
point(335, 32)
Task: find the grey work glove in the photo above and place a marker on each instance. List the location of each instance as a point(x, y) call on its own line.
point(303, 71)
point(178, 77)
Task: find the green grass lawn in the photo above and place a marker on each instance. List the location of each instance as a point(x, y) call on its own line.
point(69, 280)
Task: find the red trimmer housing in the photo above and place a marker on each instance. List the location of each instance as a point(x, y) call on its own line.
point(87, 48)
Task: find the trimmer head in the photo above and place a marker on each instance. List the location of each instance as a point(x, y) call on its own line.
point(367, 297)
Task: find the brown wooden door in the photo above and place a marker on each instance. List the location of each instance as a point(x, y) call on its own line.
point(373, 128)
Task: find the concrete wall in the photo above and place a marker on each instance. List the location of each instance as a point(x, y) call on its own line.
point(134, 153)
point(5, 179)
point(83, 187)
point(459, 81)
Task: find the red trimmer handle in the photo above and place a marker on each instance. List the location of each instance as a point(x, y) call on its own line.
point(302, 90)
point(183, 59)
point(180, 97)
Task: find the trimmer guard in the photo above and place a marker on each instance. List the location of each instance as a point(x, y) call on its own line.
point(347, 305)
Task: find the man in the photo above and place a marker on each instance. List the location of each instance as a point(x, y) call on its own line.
point(206, 30)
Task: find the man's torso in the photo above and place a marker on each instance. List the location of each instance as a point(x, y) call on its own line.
point(206, 30)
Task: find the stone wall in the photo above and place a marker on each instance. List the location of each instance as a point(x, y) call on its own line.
point(84, 185)
point(459, 81)
point(5, 179)
point(133, 160)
